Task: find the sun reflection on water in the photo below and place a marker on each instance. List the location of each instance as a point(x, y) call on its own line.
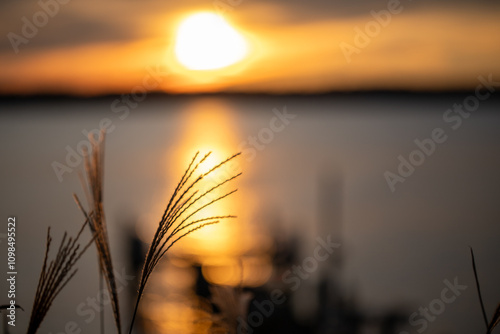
point(233, 252)
point(209, 127)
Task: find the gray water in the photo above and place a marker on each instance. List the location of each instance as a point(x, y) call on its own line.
point(397, 246)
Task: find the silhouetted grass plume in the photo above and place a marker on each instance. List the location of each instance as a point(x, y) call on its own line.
point(178, 221)
point(55, 275)
point(93, 188)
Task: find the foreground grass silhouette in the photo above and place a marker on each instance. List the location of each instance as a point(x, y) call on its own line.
point(179, 219)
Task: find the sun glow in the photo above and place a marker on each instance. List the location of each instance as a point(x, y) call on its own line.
point(206, 41)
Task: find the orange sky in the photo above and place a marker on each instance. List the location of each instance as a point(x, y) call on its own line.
point(96, 48)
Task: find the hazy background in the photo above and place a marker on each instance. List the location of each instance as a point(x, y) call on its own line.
point(354, 114)
point(90, 47)
point(397, 247)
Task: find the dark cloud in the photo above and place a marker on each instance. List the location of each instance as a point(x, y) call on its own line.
point(71, 28)
point(300, 10)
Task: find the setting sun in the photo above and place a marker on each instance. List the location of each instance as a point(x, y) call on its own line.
point(206, 41)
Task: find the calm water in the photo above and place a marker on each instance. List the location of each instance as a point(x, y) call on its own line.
point(397, 247)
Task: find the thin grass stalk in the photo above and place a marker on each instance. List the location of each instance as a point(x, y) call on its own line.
point(495, 320)
point(92, 186)
point(55, 275)
point(175, 225)
point(478, 287)
point(101, 285)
